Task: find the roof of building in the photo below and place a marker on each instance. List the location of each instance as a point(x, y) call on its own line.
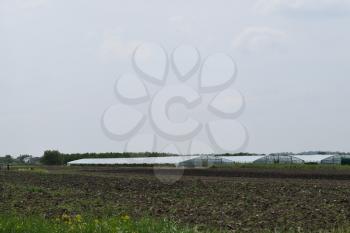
point(180, 159)
point(138, 160)
point(242, 159)
point(312, 158)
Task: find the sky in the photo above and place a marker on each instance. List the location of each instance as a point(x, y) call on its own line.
point(59, 61)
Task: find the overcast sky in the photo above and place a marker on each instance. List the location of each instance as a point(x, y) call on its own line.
point(59, 61)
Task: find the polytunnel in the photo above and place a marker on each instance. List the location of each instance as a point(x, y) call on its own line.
point(210, 160)
point(203, 161)
point(312, 158)
point(168, 160)
point(337, 159)
point(241, 159)
point(281, 159)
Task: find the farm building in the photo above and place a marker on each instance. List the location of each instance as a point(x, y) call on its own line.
point(178, 161)
point(241, 159)
point(337, 159)
point(292, 159)
point(209, 160)
point(169, 160)
point(312, 158)
point(262, 159)
point(325, 159)
point(200, 161)
point(281, 159)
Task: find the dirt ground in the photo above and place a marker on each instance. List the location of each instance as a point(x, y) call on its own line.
point(337, 174)
point(231, 200)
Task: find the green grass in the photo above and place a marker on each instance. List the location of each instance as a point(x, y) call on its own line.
point(121, 224)
point(77, 224)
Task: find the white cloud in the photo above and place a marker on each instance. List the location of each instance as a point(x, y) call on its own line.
point(303, 6)
point(254, 39)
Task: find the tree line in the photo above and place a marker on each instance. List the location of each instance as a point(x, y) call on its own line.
point(54, 157)
point(22, 159)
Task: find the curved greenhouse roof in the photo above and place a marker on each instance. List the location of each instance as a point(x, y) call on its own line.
point(242, 159)
point(140, 160)
point(285, 159)
point(199, 160)
point(312, 158)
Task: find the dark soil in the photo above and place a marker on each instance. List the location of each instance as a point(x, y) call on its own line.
point(221, 202)
point(341, 174)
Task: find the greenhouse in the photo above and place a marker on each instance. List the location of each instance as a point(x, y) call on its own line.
point(312, 158)
point(298, 159)
point(336, 159)
point(202, 161)
point(210, 160)
point(241, 159)
point(178, 161)
point(280, 159)
point(168, 160)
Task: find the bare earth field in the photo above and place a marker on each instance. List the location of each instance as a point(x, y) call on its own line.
point(260, 172)
point(234, 200)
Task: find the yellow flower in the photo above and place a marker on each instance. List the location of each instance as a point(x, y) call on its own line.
point(125, 218)
point(78, 218)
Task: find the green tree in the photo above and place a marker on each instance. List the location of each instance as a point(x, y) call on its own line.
point(52, 157)
point(8, 159)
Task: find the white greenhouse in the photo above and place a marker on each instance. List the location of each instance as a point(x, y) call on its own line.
point(312, 158)
point(281, 159)
point(210, 160)
point(241, 159)
point(168, 160)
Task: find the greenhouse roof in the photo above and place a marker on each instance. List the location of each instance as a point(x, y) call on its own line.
point(139, 160)
point(312, 158)
point(242, 159)
point(180, 159)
